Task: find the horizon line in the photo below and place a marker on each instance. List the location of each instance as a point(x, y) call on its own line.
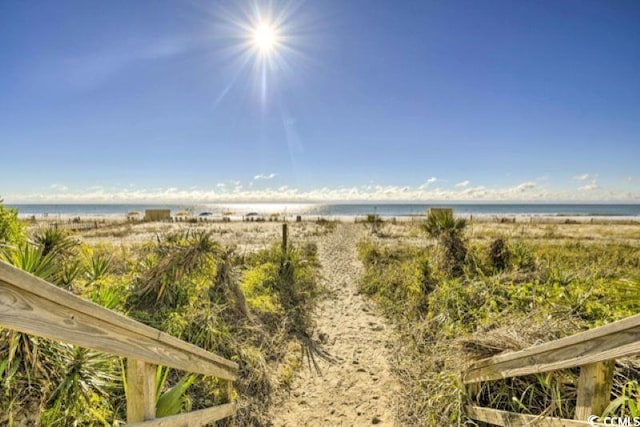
point(341, 202)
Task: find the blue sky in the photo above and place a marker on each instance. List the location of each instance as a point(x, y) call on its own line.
point(367, 100)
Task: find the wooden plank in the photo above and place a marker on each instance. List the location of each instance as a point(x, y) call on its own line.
point(511, 419)
point(594, 389)
point(141, 391)
point(195, 418)
point(31, 305)
point(612, 341)
point(34, 284)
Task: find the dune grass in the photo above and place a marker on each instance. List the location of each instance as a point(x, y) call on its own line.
point(253, 309)
point(506, 294)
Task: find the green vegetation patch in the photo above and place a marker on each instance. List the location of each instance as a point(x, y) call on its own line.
point(252, 309)
point(501, 295)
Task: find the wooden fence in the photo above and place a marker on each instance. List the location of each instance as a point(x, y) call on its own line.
point(593, 351)
point(33, 306)
point(74, 226)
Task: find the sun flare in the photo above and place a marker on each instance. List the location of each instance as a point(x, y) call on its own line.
point(265, 37)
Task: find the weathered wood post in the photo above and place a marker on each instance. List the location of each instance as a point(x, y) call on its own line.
point(284, 237)
point(229, 391)
point(471, 391)
point(594, 389)
point(141, 391)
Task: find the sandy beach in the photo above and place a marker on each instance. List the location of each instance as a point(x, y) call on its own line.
point(257, 234)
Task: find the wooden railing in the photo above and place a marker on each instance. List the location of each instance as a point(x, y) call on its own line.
point(33, 306)
point(593, 351)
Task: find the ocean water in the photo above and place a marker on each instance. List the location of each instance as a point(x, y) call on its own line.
point(337, 209)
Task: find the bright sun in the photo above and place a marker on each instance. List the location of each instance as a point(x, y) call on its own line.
point(265, 37)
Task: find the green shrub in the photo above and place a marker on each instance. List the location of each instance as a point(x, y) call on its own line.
point(551, 290)
point(449, 231)
point(499, 254)
point(11, 232)
point(31, 259)
point(255, 309)
point(284, 282)
point(399, 279)
point(180, 267)
point(56, 241)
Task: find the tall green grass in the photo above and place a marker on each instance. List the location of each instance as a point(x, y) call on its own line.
point(508, 296)
point(254, 309)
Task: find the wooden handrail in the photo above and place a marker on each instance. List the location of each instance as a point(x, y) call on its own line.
point(203, 416)
point(31, 305)
point(612, 341)
point(505, 418)
point(593, 351)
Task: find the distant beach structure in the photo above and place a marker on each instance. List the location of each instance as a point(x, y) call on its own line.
point(157, 215)
point(134, 216)
point(521, 211)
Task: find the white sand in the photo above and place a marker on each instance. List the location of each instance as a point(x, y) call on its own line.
point(357, 388)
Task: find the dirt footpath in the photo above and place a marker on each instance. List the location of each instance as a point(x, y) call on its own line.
point(356, 386)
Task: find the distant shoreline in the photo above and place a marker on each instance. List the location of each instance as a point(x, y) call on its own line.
point(401, 211)
point(479, 218)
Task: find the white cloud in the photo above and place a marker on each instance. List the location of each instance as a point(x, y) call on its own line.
point(265, 176)
point(583, 177)
point(59, 187)
point(235, 192)
point(220, 185)
point(593, 185)
point(428, 182)
point(526, 186)
point(462, 184)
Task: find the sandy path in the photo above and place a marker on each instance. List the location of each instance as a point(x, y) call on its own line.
point(357, 387)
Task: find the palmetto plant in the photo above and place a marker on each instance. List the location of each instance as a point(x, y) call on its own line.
point(84, 381)
point(226, 283)
point(444, 223)
point(55, 241)
point(175, 399)
point(627, 404)
point(26, 368)
point(57, 244)
point(21, 353)
point(175, 258)
point(70, 272)
point(31, 259)
point(25, 373)
point(97, 267)
point(87, 373)
point(449, 231)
